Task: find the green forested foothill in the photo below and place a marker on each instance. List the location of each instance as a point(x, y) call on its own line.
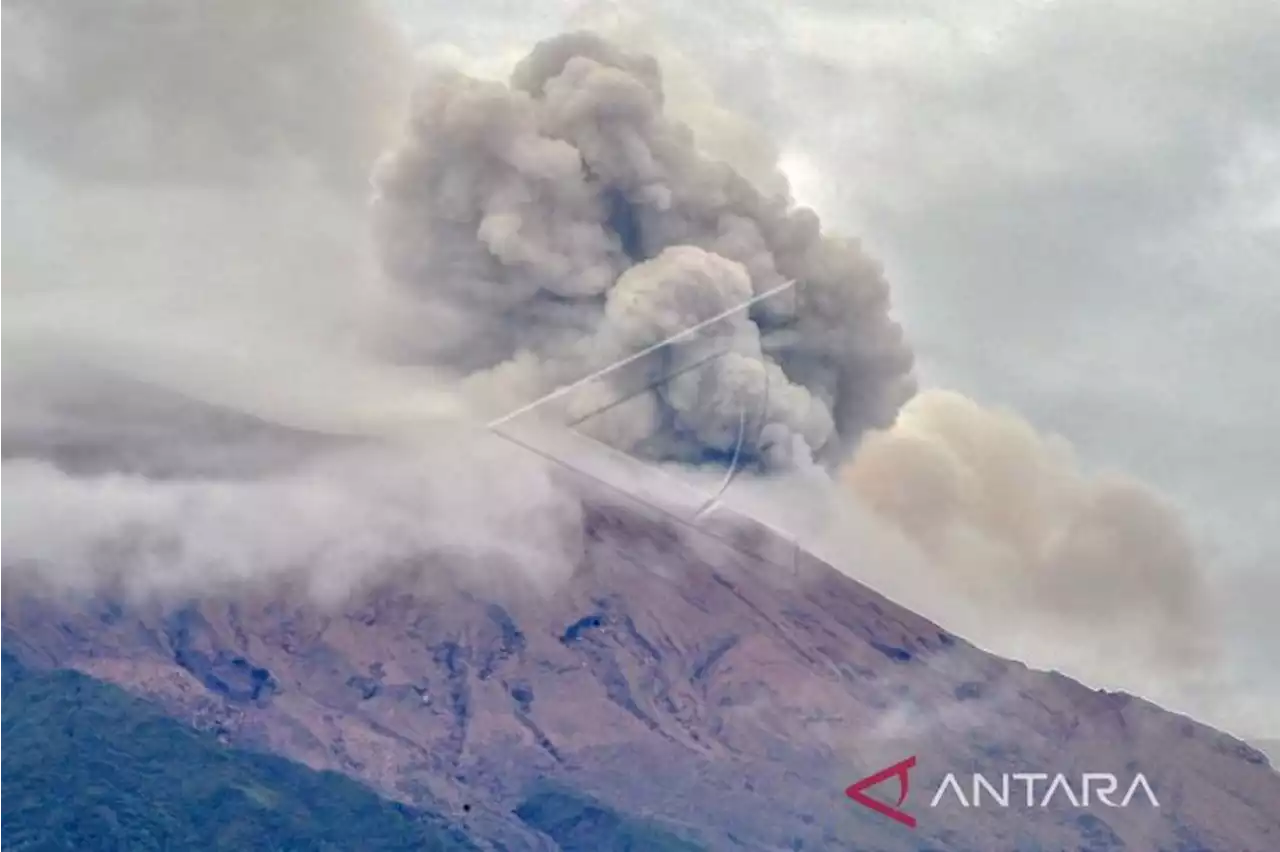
point(87, 766)
point(579, 823)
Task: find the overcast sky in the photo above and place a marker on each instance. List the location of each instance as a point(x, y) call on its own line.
point(1078, 205)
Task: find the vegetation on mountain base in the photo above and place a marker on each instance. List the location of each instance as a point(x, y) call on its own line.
point(579, 823)
point(87, 766)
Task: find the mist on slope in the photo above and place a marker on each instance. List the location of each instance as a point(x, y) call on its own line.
point(216, 378)
point(191, 401)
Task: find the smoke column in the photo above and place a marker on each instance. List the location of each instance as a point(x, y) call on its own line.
point(563, 223)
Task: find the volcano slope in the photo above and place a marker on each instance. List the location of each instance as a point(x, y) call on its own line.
point(676, 676)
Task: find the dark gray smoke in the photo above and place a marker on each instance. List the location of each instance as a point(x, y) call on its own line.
point(563, 223)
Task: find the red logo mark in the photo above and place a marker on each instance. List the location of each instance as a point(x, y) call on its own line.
point(899, 771)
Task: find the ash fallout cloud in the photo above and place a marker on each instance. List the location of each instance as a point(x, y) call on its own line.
point(565, 223)
point(562, 223)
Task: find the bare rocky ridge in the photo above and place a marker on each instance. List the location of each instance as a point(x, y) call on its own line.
point(676, 677)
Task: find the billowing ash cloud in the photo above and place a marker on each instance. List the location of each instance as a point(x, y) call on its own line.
point(546, 229)
point(1007, 516)
point(563, 223)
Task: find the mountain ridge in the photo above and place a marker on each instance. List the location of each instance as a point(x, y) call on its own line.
point(676, 675)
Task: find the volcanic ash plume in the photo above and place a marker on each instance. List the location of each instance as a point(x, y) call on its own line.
point(1007, 518)
point(546, 229)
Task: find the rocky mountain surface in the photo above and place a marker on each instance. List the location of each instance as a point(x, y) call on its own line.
point(679, 677)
